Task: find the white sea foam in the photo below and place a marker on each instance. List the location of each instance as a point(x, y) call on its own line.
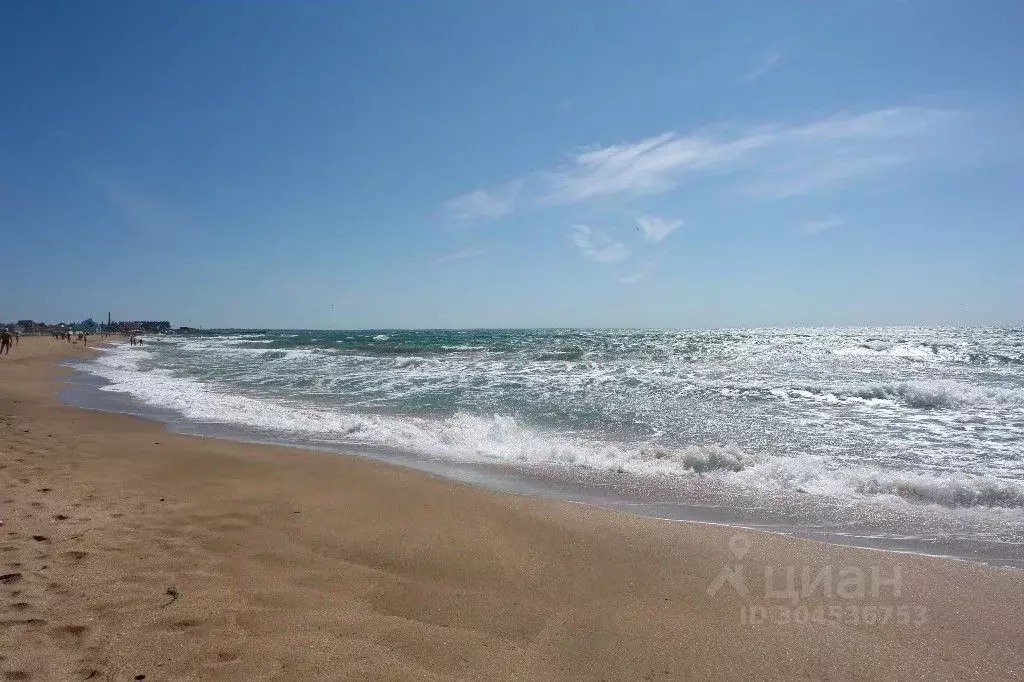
point(931, 351)
point(921, 394)
point(812, 474)
point(942, 393)
point(244, 340)
point(498, 437)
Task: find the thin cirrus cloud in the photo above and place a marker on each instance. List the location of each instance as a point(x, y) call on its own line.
point(866, 143)
point(768, 161)
point(649, 166)
point(764, 64)
point(801, 177)
point(462, 254)
point(656, 229)
point(813, 227)
point(597, 245)
point(482, 204)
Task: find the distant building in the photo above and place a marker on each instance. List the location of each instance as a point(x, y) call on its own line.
point(148, 326)
point(90, 325)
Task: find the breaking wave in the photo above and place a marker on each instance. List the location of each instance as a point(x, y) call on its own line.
point(933, 351)
point(942, 393)
point(921, 394)
point(502, 438)
point(812, 475)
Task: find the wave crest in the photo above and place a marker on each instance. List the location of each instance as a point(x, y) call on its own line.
point(699, 459)
point(950, 490)
point(920, 394)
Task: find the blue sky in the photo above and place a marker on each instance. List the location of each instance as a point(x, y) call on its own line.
point(492, 164)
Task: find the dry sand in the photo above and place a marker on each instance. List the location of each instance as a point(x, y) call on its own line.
point(287, 564)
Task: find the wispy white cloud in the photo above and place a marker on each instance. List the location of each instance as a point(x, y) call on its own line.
point(764, 162)
point(811, 175)
point(813, 227)
point(597, 245)
point(629, 279)
point(649, 166)
point(891, 123)
point(463, 254)
point(869, 141)
point(484, 204)
point(656, 229)
point(765, 63)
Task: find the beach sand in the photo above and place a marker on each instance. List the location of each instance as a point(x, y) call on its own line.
point(127, 551)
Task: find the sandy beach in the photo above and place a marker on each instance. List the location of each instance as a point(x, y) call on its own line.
point(128, 551)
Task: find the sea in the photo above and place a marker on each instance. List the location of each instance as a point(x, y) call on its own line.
point(900, 438)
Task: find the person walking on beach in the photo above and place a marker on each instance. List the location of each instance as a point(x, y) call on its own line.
point(5, 341)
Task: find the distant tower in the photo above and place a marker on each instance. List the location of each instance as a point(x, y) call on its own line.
point(108, 319)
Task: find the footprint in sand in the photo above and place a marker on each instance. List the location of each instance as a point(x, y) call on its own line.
point(69, 636)
point(33, 622)
point(16, 675)
point(186, 624)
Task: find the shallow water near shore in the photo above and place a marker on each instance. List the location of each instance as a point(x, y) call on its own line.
point(901, 439)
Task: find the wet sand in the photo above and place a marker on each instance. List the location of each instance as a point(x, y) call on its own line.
point(127, 550)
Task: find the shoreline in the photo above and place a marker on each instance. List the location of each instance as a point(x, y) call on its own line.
point(290, 564)
point(822, 519)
